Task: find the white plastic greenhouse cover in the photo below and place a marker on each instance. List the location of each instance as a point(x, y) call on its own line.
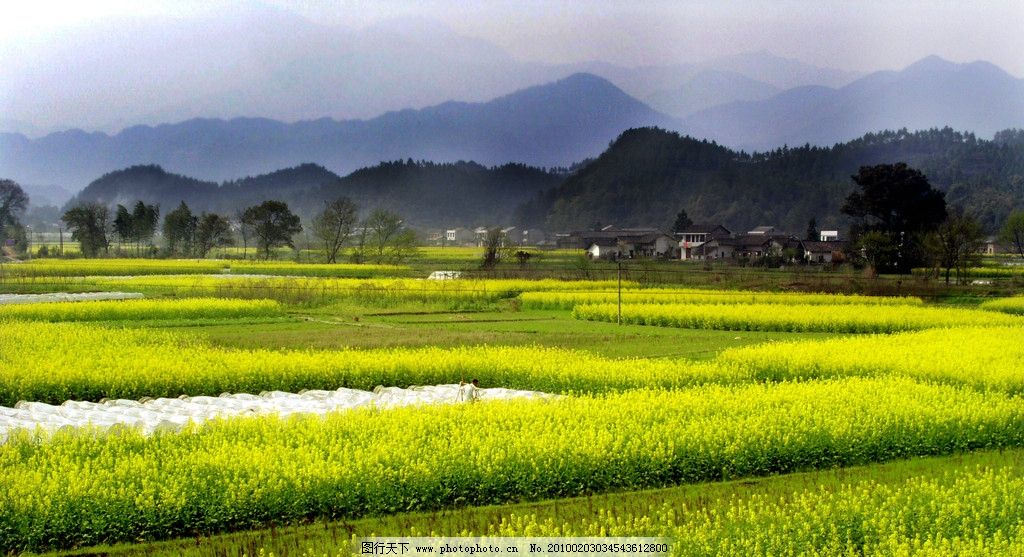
point(66, 297)
point(171, 414)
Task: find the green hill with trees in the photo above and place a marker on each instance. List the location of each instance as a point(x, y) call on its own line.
point(648, 174)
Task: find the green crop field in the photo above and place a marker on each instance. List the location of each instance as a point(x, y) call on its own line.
point(754, 414)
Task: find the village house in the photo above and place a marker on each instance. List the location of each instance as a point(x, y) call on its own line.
point(459, 237)
point(761, 242)
point(628, 243)
point(824, 251)
point(692, 238)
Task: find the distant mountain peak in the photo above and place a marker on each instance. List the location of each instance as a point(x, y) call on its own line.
point(584, 82)
point(931, 63)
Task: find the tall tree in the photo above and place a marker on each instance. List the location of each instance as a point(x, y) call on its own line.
point(13, 204)
point(212, 231)
point(88, 224)
point(334, 225)
point(898, 201)
point(1013, 231)
point(359, 249)
point(956, 244)
point(244, 230)
point(878, 249)
point(493, 243)
point(123, 226)
point(813, 232)
point(144, 220)
point(682, 221)
point(388, 237)
point(180, 231)
point(273, 225)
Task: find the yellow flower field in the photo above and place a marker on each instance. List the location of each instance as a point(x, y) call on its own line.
point(796, 317)
point(568, 300)
point(139, 310)
point(81, 488)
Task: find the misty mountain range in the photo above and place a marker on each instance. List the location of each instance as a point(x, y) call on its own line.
point(548, 125)
point(931, 92)
point(256, 60)
point(555, 124)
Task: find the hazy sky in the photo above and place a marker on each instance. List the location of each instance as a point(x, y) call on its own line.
point(860, 35)
point(105, 64)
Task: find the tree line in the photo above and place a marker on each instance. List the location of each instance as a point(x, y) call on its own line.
point(381, 237)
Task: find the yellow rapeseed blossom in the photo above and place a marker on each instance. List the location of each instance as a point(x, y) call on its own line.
point(796, 317)
point(140, 310)
point(75, 488)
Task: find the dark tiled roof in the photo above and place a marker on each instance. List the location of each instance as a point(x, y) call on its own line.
point(702, 229)
point(823, 247)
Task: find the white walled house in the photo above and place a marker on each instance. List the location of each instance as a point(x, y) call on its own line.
point(694, 237)
point(459, 237)
point(824, 252)
point(629, 244)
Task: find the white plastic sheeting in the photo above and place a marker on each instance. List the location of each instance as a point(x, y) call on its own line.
point(66, 297)
point(171, 414)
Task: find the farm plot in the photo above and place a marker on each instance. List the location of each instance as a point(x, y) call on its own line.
point(49, 363)
point(986, 358)
point(136, 267)
point(568, 300)
point(378, 291)
point(966, 511)
point(1013, 305)
point(139, 310)
point(55, 490)
point(796, 317)
point(172, 414)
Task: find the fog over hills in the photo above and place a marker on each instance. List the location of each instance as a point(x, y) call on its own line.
point(257, 60)
point(931, 92)
point(549, 125)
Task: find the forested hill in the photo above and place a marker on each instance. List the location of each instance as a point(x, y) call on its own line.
point(427, 194)
point(648, 174)
point(153, 184)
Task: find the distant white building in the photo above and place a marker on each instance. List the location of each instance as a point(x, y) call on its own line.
point(459, 237)
point(829, 235)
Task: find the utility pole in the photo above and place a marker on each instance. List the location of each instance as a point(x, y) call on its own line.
point(618, 319)
point(60, 232)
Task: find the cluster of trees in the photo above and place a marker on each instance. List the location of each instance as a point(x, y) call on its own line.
point(137, 227)
point(900, 222)
point(13, 204)
point(1013, 232)
point(381, 237)
point(187, 235)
